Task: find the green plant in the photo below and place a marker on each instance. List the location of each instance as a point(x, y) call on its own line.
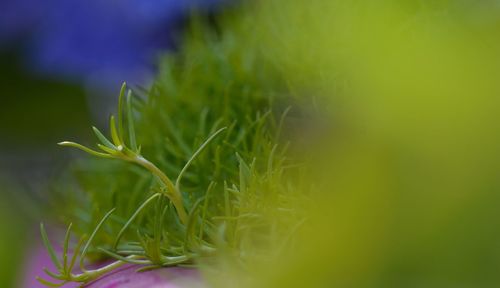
point(213, 121)
point(118, 149)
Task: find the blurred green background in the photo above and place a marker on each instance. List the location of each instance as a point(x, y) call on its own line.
point(413, 160)
point(35, 112)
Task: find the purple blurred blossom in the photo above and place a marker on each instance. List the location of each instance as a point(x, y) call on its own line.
point(36, 260)
point(113, 40)
point(124, 277)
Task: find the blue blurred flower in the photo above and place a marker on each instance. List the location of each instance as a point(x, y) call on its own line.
point(96, 40)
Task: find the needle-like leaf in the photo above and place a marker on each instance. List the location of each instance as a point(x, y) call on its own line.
point(106, 149)
point(128, 259)
point(282, 122)
point(75, 253)
point(103, 138)
point(65, 247)
point(120, 109)
point(120, 234)
point(188, 163)
point(83, 148)
point(49, 247)
point(50, 284)
point(193, 215)
point(89, 241)
point(53, 275)
point(130, 123)
point(114, 134)
point(205, 206)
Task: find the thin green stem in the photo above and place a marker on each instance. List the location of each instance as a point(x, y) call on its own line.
point(94, 274)
point(172, 192)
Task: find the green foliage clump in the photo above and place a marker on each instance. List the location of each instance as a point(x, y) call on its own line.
point(212, 120)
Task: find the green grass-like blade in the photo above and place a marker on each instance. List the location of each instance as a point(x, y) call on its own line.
point(120, 234)
point(124, 259)
point(114, 133)
point(53, 275)
point(130, 123)
point(270, 160)
point(65, 247)
point(205, 207)
point(107, 149)
point(83, 148)
point(200, 149)
point(50, 249)
point(120, 109)
point(75, 253)
point(245, 174)
point(50, 284)
point(279, 130)
point(103, 138)
point(193, 214)
point(89, 241)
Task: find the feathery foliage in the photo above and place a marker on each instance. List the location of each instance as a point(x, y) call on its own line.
point(212, 122)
